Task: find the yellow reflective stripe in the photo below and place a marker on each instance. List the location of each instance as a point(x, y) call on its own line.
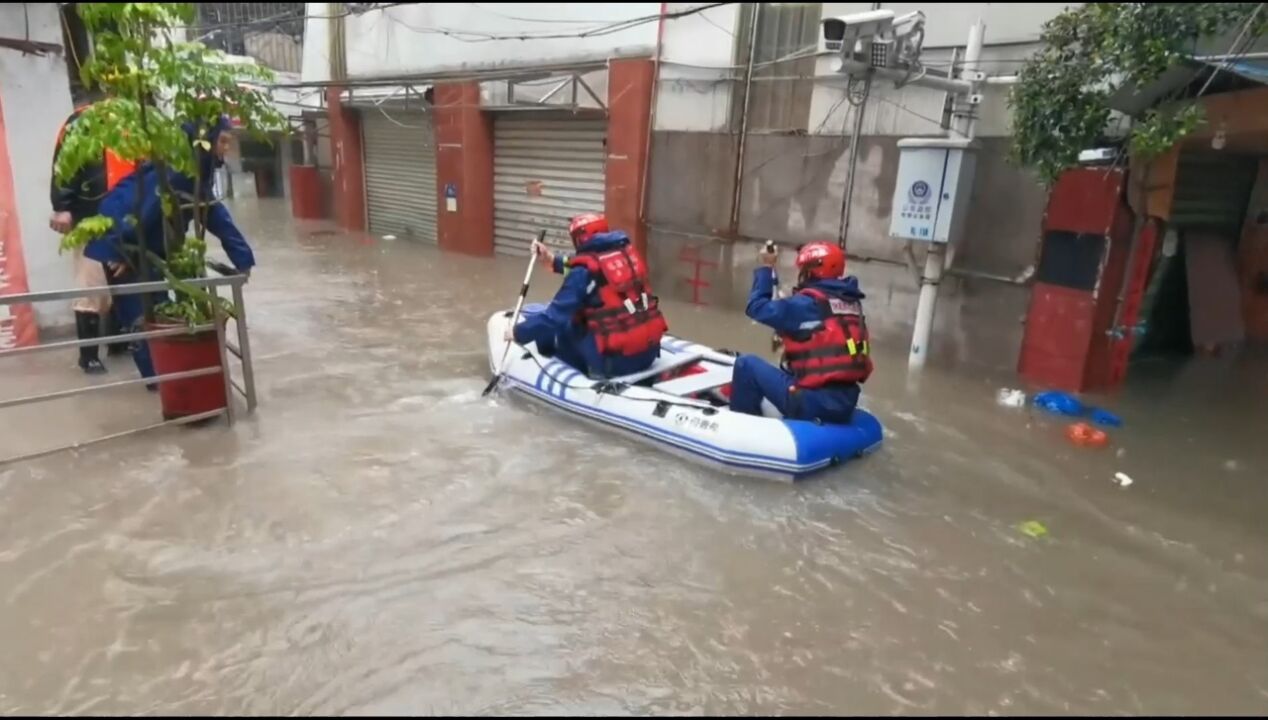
point(866, 349)
point(849, 344)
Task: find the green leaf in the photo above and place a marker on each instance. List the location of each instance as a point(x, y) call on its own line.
point(85, 231)
point(1090, 51)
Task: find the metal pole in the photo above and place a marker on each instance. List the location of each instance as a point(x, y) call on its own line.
point(186, 420)
point(848, 199)
point(58, 395)
point(962, 126)
point(651, 116)
point(244, 347)
point(218, 318)
point(737, 195)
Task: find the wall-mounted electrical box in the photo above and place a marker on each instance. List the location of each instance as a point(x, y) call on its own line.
point(931, 194)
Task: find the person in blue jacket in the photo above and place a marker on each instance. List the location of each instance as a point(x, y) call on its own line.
point(118, 248)
point(826, 345)
point(604, 321)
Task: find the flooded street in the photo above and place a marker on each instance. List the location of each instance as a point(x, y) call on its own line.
point(378, 538)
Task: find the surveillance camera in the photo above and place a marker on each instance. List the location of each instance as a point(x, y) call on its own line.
point(843, 32)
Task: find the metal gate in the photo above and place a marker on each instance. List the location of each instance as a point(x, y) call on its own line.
point(545, 171)
point(400, 174)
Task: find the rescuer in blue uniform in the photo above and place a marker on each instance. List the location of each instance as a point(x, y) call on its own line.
point(826, 347)
point(118, 247)
point(604, 321)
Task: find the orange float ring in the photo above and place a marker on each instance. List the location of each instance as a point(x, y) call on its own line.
point(1085, 435)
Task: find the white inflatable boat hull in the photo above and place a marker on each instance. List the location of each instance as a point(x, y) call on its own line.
point(661, 413)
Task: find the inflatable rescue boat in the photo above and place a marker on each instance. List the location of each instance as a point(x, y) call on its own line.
point(680, 404)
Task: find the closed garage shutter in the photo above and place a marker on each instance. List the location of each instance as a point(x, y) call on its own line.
point(545, 171)
point(1212, 190)
point(400, 174)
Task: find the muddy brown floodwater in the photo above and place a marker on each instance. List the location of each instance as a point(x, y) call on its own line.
point(379, 539)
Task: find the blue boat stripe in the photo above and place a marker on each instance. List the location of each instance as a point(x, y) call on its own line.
point(551, 369)
point(566, 381)
point(761, 462)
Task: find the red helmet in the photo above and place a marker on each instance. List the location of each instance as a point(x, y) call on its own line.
point(821, 261)
point(585, 226)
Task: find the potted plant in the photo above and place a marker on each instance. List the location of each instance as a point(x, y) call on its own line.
point(166, 100)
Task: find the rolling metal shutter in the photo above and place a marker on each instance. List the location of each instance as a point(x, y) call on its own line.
point(400, 174)
point(1212, 190)
point(545, 171)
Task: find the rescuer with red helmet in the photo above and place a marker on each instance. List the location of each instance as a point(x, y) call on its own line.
point(604, 321)
point(827, 352)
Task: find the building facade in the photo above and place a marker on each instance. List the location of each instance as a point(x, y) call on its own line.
point(703, 129)
point(34, 101)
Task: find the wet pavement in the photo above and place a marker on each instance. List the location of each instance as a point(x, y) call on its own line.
point(378, 538)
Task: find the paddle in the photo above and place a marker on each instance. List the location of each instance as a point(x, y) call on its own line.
point(519, 305)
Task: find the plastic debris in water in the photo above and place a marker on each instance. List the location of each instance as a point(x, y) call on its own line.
point(389, 237)
point(1121, 479)
point(1033, 528)
point(1085, 435)
point(1058, 402)
point(1063, 403)
point(1008, 397)
point(1106, 418)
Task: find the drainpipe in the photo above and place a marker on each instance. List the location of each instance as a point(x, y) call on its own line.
point(738, 195)
point(651, 120)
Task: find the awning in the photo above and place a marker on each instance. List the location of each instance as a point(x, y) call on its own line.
point(1132, 100)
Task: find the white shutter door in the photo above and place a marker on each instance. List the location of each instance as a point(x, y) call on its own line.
point(400, 174)
point(545, 171)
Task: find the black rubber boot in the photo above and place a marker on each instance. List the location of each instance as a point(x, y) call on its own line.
point(112, 329)
point(88, 327)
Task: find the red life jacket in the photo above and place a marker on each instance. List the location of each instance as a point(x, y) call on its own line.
point(836, 352)
point(628, 320)
point(115, 167)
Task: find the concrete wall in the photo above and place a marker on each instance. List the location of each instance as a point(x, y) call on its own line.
point(435, 37)
point(697, 55)
point(793, 179)
point(35, 97)
point(793, 183)
point(316, 52)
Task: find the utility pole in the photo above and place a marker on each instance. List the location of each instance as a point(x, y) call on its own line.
point(963, 127)
point(935, 175)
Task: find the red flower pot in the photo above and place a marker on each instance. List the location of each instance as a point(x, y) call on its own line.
point(181, 353)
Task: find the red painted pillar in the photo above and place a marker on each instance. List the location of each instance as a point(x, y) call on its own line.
point(348, 194)
point(306, 201)
point(629, 122)
point(464, 168)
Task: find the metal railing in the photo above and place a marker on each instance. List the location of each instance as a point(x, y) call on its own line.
point(241, 350)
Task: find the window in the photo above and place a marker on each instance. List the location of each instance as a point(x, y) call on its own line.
point(781, 91)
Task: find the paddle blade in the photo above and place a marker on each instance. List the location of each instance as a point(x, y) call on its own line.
point(492, 384)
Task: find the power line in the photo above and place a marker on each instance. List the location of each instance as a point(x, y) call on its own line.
point(557, 21)
point(906, 109)
point(706, 19)
point(475, 36)
point(286, 17)
point(1232, 50)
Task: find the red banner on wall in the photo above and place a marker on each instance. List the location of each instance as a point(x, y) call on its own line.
point(17, 322)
